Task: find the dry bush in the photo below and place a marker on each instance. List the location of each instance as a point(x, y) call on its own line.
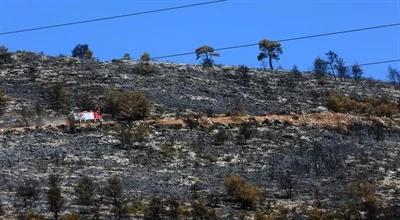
point(368, 106)
point(362, 199)
point(3, 101)
point(3, 98)
point(155, 209)
point(241, 191)
point(201, 211)
point(31, 216)
point(279, 213)
point(71, 216)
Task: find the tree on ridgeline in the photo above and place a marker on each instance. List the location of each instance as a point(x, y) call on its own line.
point(206, 53)
point(270, 50)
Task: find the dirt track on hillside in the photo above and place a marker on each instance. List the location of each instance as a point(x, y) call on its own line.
point(320, 120)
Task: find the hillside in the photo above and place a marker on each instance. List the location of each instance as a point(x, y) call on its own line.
point(275, 130)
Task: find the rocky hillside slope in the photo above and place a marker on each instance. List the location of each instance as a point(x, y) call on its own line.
point(272, 129)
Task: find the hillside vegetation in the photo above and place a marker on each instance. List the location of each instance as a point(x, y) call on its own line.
point(194, 142)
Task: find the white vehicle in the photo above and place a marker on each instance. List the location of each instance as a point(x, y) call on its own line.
point(87, 116)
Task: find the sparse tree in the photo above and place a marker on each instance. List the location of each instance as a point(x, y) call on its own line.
point(295, 70)
point(332, 59)
point(126, 56)
point(82, 51)
point(271, 50)
point(28, 191)
point(5, 56)
point(206, 53)
point(145, 58)
point(239, 109)
point(286, 183)
point(114, 193)
point(394, 75)
point(39, 112)
point(85, 192)
point(341, 68)
point(320, 67)
point(145, 65)
point(243, 72)
point(245, 133)
point(125, 135)
point(357, 72)
point(54, 197)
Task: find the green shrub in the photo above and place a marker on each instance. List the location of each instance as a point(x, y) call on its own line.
point(126, 106)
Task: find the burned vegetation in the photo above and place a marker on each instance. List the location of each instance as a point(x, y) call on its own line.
point(194, 141)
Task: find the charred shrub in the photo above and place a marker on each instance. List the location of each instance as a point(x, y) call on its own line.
point(87, 104)
point(243, 72)
point(59, 98)
point(128, 135)
point(85, 192)
point(221, 137)
point(245, 133)
point(28, 191)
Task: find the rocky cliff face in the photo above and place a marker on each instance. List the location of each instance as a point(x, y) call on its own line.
point(313, 153)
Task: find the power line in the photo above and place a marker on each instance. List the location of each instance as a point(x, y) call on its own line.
point(378, 62)
point(288, 39)
point(109, 18)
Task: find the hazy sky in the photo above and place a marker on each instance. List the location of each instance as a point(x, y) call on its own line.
point(219, 25)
